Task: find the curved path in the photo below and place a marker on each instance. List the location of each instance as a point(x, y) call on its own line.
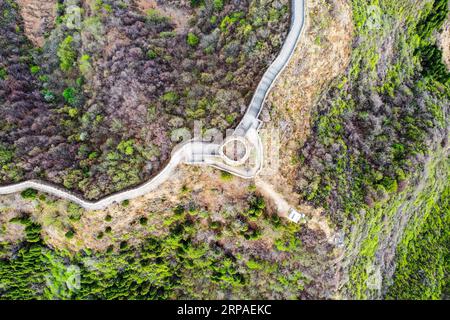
point(198, 152)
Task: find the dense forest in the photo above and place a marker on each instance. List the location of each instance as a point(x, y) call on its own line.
point(98, 107)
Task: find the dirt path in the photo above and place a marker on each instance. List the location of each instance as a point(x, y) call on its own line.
point(267, 191)
point(315, 219)
point(444, 42)
point(38, 16)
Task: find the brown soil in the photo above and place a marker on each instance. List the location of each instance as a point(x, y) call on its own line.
point(200, 186)
point(38, 16)
point(322, 55)
point(9, 232)
point(178, 16)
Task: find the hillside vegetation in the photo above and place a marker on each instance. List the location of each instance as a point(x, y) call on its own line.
point(99, 107)
point(375, 167)
point(376, 132)
point(188, 252)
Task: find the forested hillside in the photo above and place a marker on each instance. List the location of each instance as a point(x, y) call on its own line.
point(98, 107)
point(376, 132)
point(182, 252)
point(94, 108)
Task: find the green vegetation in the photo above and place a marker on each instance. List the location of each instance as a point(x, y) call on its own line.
point(375, 160)
point(118, 71)
point(257, 207)
point(70, 234)
point(70, 96)
point(371, 179)
point(170, 97)
point(8, 167)
point(152, 54)
point(5, 155)
point(381, 126)
point(29, 194)
point(423, 262)
point(126, 147)
point(35, 69)
point(197, 3)
point(143, 221)
point(192, 39)
point(218, 5)
point(175, 264)
point(430, 54)
point(85, 65)
point(3, 74)
point(153, 15)
point(24, 274)
point(226, 176)
point(230, 20)
point(75, 211)
point(419, 208)
point(67, 54)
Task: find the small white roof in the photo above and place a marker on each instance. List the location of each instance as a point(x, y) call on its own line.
point(295, 216)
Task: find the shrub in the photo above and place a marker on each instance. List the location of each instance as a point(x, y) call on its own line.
point(126, 147)
point(74, 211)
point(252, 234)
point(70, 234)
point(151, 54)
point(69, 95)
point(66, 54)
point(230, 118)
point(253, 265)
point(230, 20)
point(196, 3)
point(275, 220)
point(215, 225)
point(85, 65)
point(123, 245)
point(170, 97)
point(3, 74)
point(143, 221)
point(35, 69)
point(48, 95)
point(218, 5)
point(179, 210)
point(167, 34)
point(72, 112)
point(5, 155)
point(155, 16)
point(192, 39)
point(29, 194)
point(226, 176)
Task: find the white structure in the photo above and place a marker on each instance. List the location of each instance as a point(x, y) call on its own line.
point(295, 216)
